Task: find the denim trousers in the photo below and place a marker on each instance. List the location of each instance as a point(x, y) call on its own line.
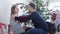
point(35, 31)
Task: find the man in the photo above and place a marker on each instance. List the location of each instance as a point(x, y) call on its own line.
point(40, 26)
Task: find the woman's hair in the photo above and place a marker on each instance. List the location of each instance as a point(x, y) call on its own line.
point(12, 9)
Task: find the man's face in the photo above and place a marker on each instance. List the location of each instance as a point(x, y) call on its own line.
point(29, 7)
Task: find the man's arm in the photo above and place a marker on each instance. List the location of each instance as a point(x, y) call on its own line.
point(23, 19)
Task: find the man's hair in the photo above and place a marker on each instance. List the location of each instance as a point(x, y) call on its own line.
point(32, 5)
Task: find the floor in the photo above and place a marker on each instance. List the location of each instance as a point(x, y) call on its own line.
point(57, 32)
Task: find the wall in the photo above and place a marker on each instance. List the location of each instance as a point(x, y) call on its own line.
point(20, 1)
point(4, 11)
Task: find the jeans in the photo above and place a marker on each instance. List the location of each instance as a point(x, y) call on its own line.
point(35, 31)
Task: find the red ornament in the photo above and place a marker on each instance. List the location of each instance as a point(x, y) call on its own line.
point(21, 7)
point(24, 27)
point(54, 16)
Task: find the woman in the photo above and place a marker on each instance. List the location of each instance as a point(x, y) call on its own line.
point(15, 27)
point(14, 11)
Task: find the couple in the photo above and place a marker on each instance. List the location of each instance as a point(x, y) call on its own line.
point(41, 26)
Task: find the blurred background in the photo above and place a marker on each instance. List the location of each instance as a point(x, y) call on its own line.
point(49, 10)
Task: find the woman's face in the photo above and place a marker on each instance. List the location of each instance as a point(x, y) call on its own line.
point(16, 10)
